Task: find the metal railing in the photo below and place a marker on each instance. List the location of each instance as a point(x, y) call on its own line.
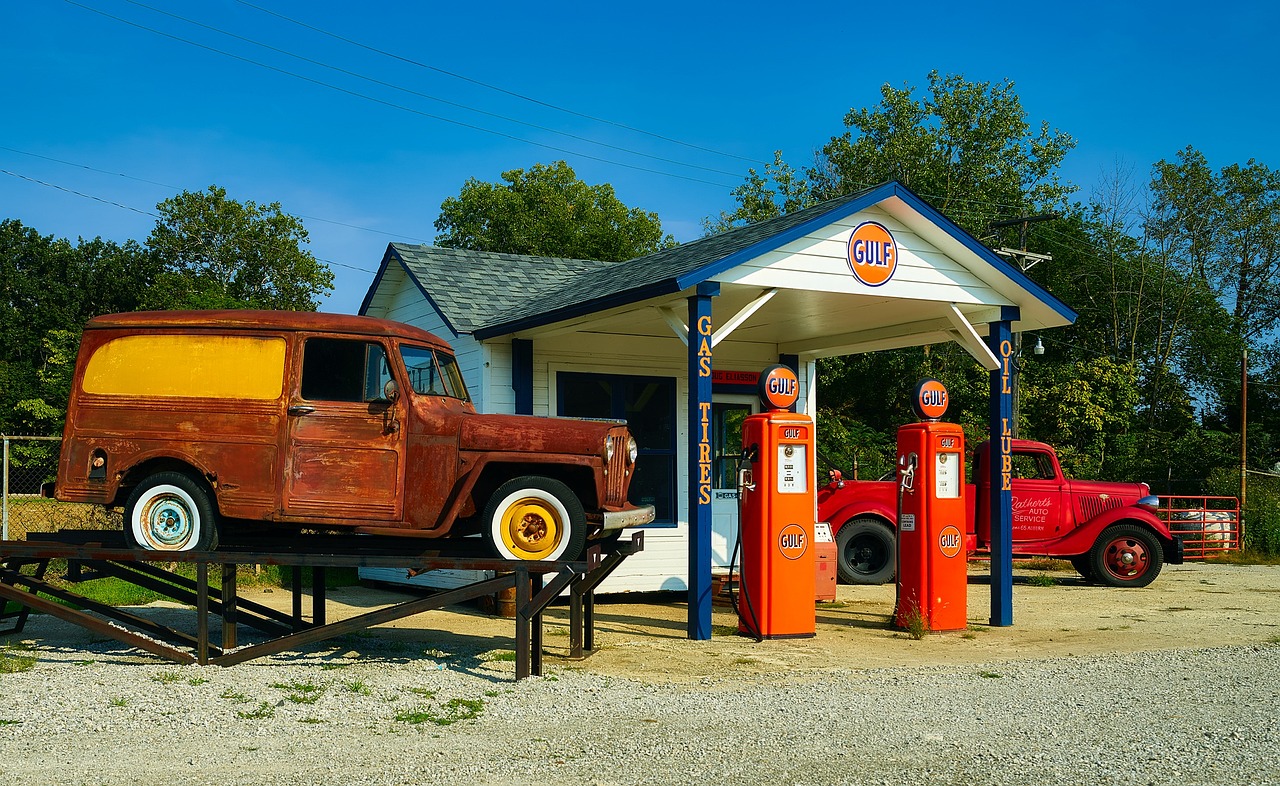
point(1205, 525)
point(27, 463)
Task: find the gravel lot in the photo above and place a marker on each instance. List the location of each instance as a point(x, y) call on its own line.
point(1178, 683)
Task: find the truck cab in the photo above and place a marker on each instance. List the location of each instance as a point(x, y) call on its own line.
point(323, 421)
point(1109, 531)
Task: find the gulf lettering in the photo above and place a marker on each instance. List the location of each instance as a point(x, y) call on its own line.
point(949, 541)
point(792, 541)
point(872, 252)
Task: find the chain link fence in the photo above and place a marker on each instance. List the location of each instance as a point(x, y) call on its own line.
point(28, 463)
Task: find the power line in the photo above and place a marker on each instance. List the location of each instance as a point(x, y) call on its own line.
point(148, 212)
point(496, 88)
point(88, 168)
point(427, 96)
point(392, 104)
point(79, 193)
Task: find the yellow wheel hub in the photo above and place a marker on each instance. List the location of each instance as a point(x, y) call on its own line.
point(531, 528)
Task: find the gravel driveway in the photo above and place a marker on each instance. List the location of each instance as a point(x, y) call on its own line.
point(408, 704)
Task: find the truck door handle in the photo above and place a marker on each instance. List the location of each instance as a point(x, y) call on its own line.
point(301, 409)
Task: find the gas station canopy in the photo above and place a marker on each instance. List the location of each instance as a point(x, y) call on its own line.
point(873, 270)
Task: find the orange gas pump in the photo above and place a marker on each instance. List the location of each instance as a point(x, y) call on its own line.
point(778, 511)
point(932, 563)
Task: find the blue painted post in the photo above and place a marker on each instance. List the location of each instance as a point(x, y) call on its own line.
point(1000, 468)
point(700, 461)
point(522, 374)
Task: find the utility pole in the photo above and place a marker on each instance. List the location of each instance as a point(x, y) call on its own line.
point(1244, 422)
point(1025, 260)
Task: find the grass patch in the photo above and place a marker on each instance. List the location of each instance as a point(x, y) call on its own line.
point(1045, 563)
point(724, 630)
point(311, 720)
point(263, 710)
point(232, 695)
point(990, 675)
point(502, 656)
point(357, 687)
point(1042, 580)
point(166, 677)
point(1243, 557)
point(300, 692)
point(430, 694)
point(452, 711)
point(118, 701)
point(10, 722)
point(16, 658)
point(968, 635)
point(917, 624)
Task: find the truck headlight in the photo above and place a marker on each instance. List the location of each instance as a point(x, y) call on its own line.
point(633, 450)
point(1150, 503)
point(608, 449)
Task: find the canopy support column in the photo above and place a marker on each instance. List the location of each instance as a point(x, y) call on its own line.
point(1000, 467)
point(700, 337)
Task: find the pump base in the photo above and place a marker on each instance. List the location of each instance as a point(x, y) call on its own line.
point(778, 635)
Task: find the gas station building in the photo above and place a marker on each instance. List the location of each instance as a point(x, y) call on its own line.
point(674, 341)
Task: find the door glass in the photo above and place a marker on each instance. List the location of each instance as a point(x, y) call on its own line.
point(339, 369)
point(727, 435)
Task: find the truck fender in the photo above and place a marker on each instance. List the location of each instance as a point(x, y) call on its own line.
point(858, 508)
point(1090, 532)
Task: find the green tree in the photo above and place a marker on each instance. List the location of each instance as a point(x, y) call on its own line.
point(548, 211)
point(778, 191)
point(217, 252)
point(967, 147)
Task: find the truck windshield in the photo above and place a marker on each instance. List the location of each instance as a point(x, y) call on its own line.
point(433, 375)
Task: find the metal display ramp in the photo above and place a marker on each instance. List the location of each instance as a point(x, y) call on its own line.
point(96, 554)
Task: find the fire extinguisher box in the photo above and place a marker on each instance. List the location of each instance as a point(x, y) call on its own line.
point(932, 563)
point(824, 556)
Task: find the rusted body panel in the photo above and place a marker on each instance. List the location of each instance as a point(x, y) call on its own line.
point(387, 456)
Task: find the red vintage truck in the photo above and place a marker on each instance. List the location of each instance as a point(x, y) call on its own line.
point(1109, 531)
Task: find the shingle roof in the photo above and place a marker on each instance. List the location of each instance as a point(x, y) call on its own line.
point(471, 288)
point(479, 290)
point(491, 294)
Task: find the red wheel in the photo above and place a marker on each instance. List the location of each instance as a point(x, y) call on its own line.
point(1126, 555)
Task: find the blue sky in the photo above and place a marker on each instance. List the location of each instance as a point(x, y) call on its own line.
point(714, 87)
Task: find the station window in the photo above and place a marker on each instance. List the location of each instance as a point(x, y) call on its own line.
point(648, 404)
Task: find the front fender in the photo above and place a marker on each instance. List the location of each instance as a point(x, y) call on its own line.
point(852, 510)
point(1081, 539)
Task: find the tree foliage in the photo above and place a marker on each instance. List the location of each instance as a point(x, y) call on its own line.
point(206, 251)
point(548, 211)
point(1172, 279)
point(217, 252)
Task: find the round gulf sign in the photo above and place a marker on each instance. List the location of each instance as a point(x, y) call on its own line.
point(778, 387)
point(873, 254)
point(792, 541)
point(950, 541)
point(930, 400)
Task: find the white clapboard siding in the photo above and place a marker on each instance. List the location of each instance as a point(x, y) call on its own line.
point(819, 262)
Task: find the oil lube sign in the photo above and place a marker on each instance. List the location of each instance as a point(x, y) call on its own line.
point(873, 254)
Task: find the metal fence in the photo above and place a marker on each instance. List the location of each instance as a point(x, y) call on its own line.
point(1206, 525)
point(29, 462)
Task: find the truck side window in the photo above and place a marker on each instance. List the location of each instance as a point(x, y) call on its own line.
point(335, 369)
point(433, 375)
point(1032, 466)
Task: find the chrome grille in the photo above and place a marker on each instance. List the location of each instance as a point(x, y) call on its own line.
point(1087, 507)
point(616, 479)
